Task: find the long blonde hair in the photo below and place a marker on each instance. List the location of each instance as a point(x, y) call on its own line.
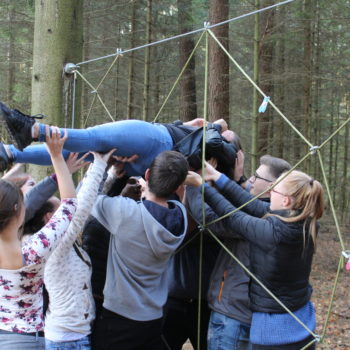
point(308, 200)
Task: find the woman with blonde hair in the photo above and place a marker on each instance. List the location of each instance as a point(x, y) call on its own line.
point(22, 266)
point(282, 238)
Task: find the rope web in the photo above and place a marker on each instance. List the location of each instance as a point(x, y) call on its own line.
point(314, 150)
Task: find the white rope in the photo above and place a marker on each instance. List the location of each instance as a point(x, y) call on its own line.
point(206, 26)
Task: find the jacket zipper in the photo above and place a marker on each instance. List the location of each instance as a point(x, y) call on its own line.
point(222, 283)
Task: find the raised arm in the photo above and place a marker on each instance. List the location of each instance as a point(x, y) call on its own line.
point(235, 193)
point(255, 230)
point(86, 198)
point(39, 247)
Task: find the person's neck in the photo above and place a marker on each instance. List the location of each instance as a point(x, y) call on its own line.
point(153, 198)
point(10, 234)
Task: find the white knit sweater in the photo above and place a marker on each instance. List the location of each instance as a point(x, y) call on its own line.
point(67, 277)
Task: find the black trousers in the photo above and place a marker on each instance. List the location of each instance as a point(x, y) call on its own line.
point(114, 332)
point(294, 346)
point(181, 322)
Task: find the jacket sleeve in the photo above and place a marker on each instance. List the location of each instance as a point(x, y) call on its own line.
point(86, 198)
point(239, 196)
point(108, 211)
point(194, 203)
point(256, 230)
point(38, 195)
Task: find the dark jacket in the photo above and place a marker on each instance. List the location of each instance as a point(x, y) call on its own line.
point(229, 284)
point(279, 257)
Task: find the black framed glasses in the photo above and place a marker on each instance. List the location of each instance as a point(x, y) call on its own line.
point(257, 176)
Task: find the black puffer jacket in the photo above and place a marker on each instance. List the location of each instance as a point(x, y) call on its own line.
point(279, 257)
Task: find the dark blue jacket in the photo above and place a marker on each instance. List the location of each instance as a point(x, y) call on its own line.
point(279, 257)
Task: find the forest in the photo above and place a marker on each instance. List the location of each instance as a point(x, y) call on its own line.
point(297, 53)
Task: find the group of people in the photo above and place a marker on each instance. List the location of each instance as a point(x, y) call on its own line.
point(114, 264)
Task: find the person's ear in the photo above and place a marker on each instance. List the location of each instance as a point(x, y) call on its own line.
point(147, 175)
point(180, 191)
point(287, 201)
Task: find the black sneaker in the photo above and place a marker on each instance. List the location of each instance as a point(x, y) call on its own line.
point(19, 125)
point(4, 158)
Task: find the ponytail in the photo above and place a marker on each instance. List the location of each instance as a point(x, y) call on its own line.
point(308, 200)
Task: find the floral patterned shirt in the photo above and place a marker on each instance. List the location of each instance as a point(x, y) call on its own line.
point(21, 301)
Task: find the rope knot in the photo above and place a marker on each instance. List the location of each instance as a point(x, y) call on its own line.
point(206, 25)
point(346, 255)
point(313, 149)
point(119, 51)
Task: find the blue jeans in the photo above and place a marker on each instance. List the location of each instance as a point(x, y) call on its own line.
point(129, 137)
point(17, 341)
point(81, 344)
point(226, 333)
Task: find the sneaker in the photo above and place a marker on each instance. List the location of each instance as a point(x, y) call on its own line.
point(19, 125)
point(4, 158)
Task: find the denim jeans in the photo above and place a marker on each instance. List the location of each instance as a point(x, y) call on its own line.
point(16, 341)
point(127, 136)
point(226, 333)
point(81, 344)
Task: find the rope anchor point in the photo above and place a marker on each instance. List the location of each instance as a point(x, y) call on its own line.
point(346, 255)
point(70, 68)
point(317, 338)
point(119, 51)
point(206, 25)
point(314, 149)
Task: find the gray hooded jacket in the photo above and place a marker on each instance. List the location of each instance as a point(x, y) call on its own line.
point(138, 256)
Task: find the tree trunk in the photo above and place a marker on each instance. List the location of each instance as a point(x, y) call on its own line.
point(188, 105)
point(10, 55)
point(131, 68)
point(219, 93)
point(146, 84)
point(265, 74)
point(254, 149)
point(58, 39)
point(307, 74)
point(280, 96)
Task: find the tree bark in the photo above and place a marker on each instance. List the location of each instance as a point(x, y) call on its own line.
point(131, 67)
point(146, 83)
point(265, 74)
point(188, 101)
point(219, 89)
point(58, 39)
point(10, 55)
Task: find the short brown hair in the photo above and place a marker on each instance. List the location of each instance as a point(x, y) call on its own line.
point(11, 201)
point(166, 173)
point(277, 166)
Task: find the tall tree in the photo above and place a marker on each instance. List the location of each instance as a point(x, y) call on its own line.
point(146, 80)
point(307, 59)
point(219, 92)
point(131, 67)
point(265, 73)
point(58, 39)
point(188, 105)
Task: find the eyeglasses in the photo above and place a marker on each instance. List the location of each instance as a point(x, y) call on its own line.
point(282, 194)
point(257, 176)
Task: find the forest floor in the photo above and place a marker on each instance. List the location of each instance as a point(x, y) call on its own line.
point(322, 279)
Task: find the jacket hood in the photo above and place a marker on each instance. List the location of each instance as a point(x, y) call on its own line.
point(161, 240)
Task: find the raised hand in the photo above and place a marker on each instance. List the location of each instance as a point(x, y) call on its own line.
point(239, 166)
point(193, 179)
point(54, 141)
point(74, 163)
point(210, 173)
point(104, 156)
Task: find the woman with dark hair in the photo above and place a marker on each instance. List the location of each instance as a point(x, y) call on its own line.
point(22, 266)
